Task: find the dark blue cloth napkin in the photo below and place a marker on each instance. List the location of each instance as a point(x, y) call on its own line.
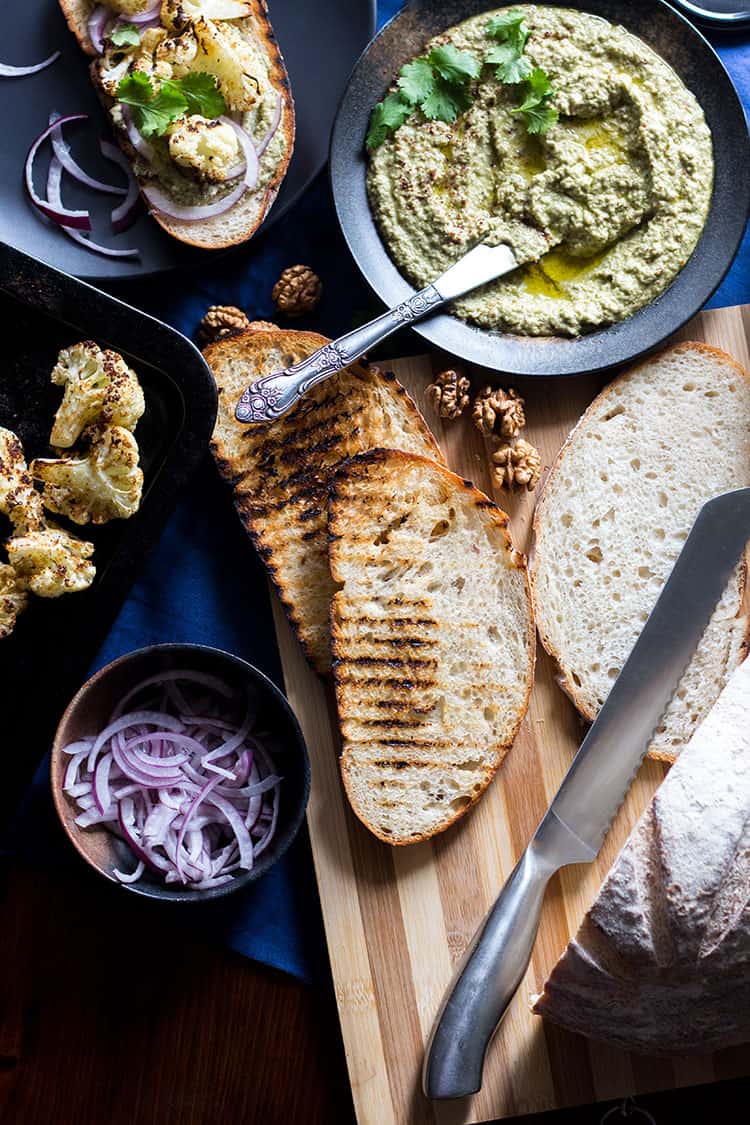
point(203, 583)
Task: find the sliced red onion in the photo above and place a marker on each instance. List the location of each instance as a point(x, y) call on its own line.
point(77, 220)
point(252, 167)
point(151, 13)
point(98, 20)
point(187, 818)
point(275, 121)
point(54, 177)
point(137, 140)
point(64, 155)
point(8, 71)
point(125, 214)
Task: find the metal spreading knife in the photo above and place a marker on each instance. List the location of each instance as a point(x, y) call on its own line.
point(590, 795)
point(272, 395)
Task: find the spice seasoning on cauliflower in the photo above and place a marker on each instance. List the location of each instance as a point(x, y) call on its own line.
point(50, 562)
point(19, 500)
point(99, 387)
point(207, 149)
point(103, 484)
point(128, 7)
point(13, 600)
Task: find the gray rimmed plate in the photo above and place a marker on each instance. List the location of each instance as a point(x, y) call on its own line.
point(700, 68)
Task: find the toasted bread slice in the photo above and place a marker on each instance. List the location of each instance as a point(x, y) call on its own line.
point(281, 471)
point(240, 222)
point(433, 641)
point(618, 505)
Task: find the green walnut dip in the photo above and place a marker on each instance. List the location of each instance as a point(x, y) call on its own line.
point(605, 207)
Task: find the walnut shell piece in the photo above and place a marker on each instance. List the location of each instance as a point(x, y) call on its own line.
point(219, 321)
point(449, 394)
point(516, 464)
point(499, 412)
point(298, 291)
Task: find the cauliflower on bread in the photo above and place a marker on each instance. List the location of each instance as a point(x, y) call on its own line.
point(178, 13)
point(12, 600)
point(19, 500)
point(128, 7)
point(50, 562)
point(103, 484)
point(99, 387)
point(208, 149)
point(224, 52)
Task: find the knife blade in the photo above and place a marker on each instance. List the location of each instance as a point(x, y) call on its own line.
point(573, 829)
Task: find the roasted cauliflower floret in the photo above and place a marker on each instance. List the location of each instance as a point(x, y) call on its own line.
point(101, 485)
point(177, 13)
point(128, 7)
point(50, 562)
point(112, 67)
point(19, 500)
point(223, 52)
point(207, 149)
point(12, 600)
point(99, 388)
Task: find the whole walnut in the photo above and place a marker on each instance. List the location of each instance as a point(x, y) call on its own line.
point(496, 411)
point(298, 291)
point(219, 321)
point(449, 394)
point(517, 464)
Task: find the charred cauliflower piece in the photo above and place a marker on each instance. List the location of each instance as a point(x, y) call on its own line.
point(177, 13)
point(19, 500)
point(128, 7)
point(12, 600)
point(99, 388)
point(207, 149)
point(223, 52)
point(103, 484)
point(50, 562)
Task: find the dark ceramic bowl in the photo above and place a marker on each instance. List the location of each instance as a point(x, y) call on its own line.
point(697, 64)
point(88, 712)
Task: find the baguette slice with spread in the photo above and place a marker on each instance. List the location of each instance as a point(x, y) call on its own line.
point(433, 641)
point(281, 471)
point(660, 963)
point(619, 503)
point(243, 56)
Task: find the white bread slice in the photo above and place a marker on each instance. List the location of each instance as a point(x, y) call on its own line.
point(281, 471)
point(433, 641)
point(619, 503)
point(660, 963)
point(241, 221)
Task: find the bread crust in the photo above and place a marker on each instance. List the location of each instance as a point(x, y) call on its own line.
point(207, 233)
point(357, 467)
point(566, 682)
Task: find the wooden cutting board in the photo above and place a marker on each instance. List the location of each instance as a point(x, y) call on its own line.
point(398, 919)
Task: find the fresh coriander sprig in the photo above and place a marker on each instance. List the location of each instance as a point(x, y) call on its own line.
point(154, 110)
point(437, 83)
point(538, 114)
point(511, 32)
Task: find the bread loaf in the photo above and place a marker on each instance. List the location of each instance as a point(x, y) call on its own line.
point(661, 963)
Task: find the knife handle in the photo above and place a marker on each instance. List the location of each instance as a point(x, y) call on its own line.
point(487, 979)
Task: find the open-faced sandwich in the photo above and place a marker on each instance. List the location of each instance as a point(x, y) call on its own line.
point(199, 99)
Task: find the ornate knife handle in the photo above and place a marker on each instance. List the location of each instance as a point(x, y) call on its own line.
point(272, 395)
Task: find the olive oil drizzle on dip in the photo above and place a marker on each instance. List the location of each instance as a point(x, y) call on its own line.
point(605, 208)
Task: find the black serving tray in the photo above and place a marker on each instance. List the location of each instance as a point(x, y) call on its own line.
point(42, 310)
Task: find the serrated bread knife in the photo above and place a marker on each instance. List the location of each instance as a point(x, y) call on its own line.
point(272, 395)
point(590, 795)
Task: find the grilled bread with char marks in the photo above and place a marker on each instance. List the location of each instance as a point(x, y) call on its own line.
point(281, 471)
point(433, 641)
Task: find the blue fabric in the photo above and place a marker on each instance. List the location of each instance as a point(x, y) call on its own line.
point(203, 582)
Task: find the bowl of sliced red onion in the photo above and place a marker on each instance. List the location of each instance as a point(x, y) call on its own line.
point(180, 772)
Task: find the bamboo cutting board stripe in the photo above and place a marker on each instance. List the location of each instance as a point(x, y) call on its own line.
point(399, 919)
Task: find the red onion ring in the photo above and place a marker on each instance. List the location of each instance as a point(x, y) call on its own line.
point(275, 121)
point(8, 71)
point(54, 178)
point(77, 220)
point(143, 17)
point(63, 154)
point(125, 214)
point(96, 25)
point(139, 143)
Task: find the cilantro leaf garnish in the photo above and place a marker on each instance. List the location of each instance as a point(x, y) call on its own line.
point(537, 113)
point(437, 83)
point(202, 95)
point(509, 27)
point(125, 35)
point(510, 67)
point(154, 110)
